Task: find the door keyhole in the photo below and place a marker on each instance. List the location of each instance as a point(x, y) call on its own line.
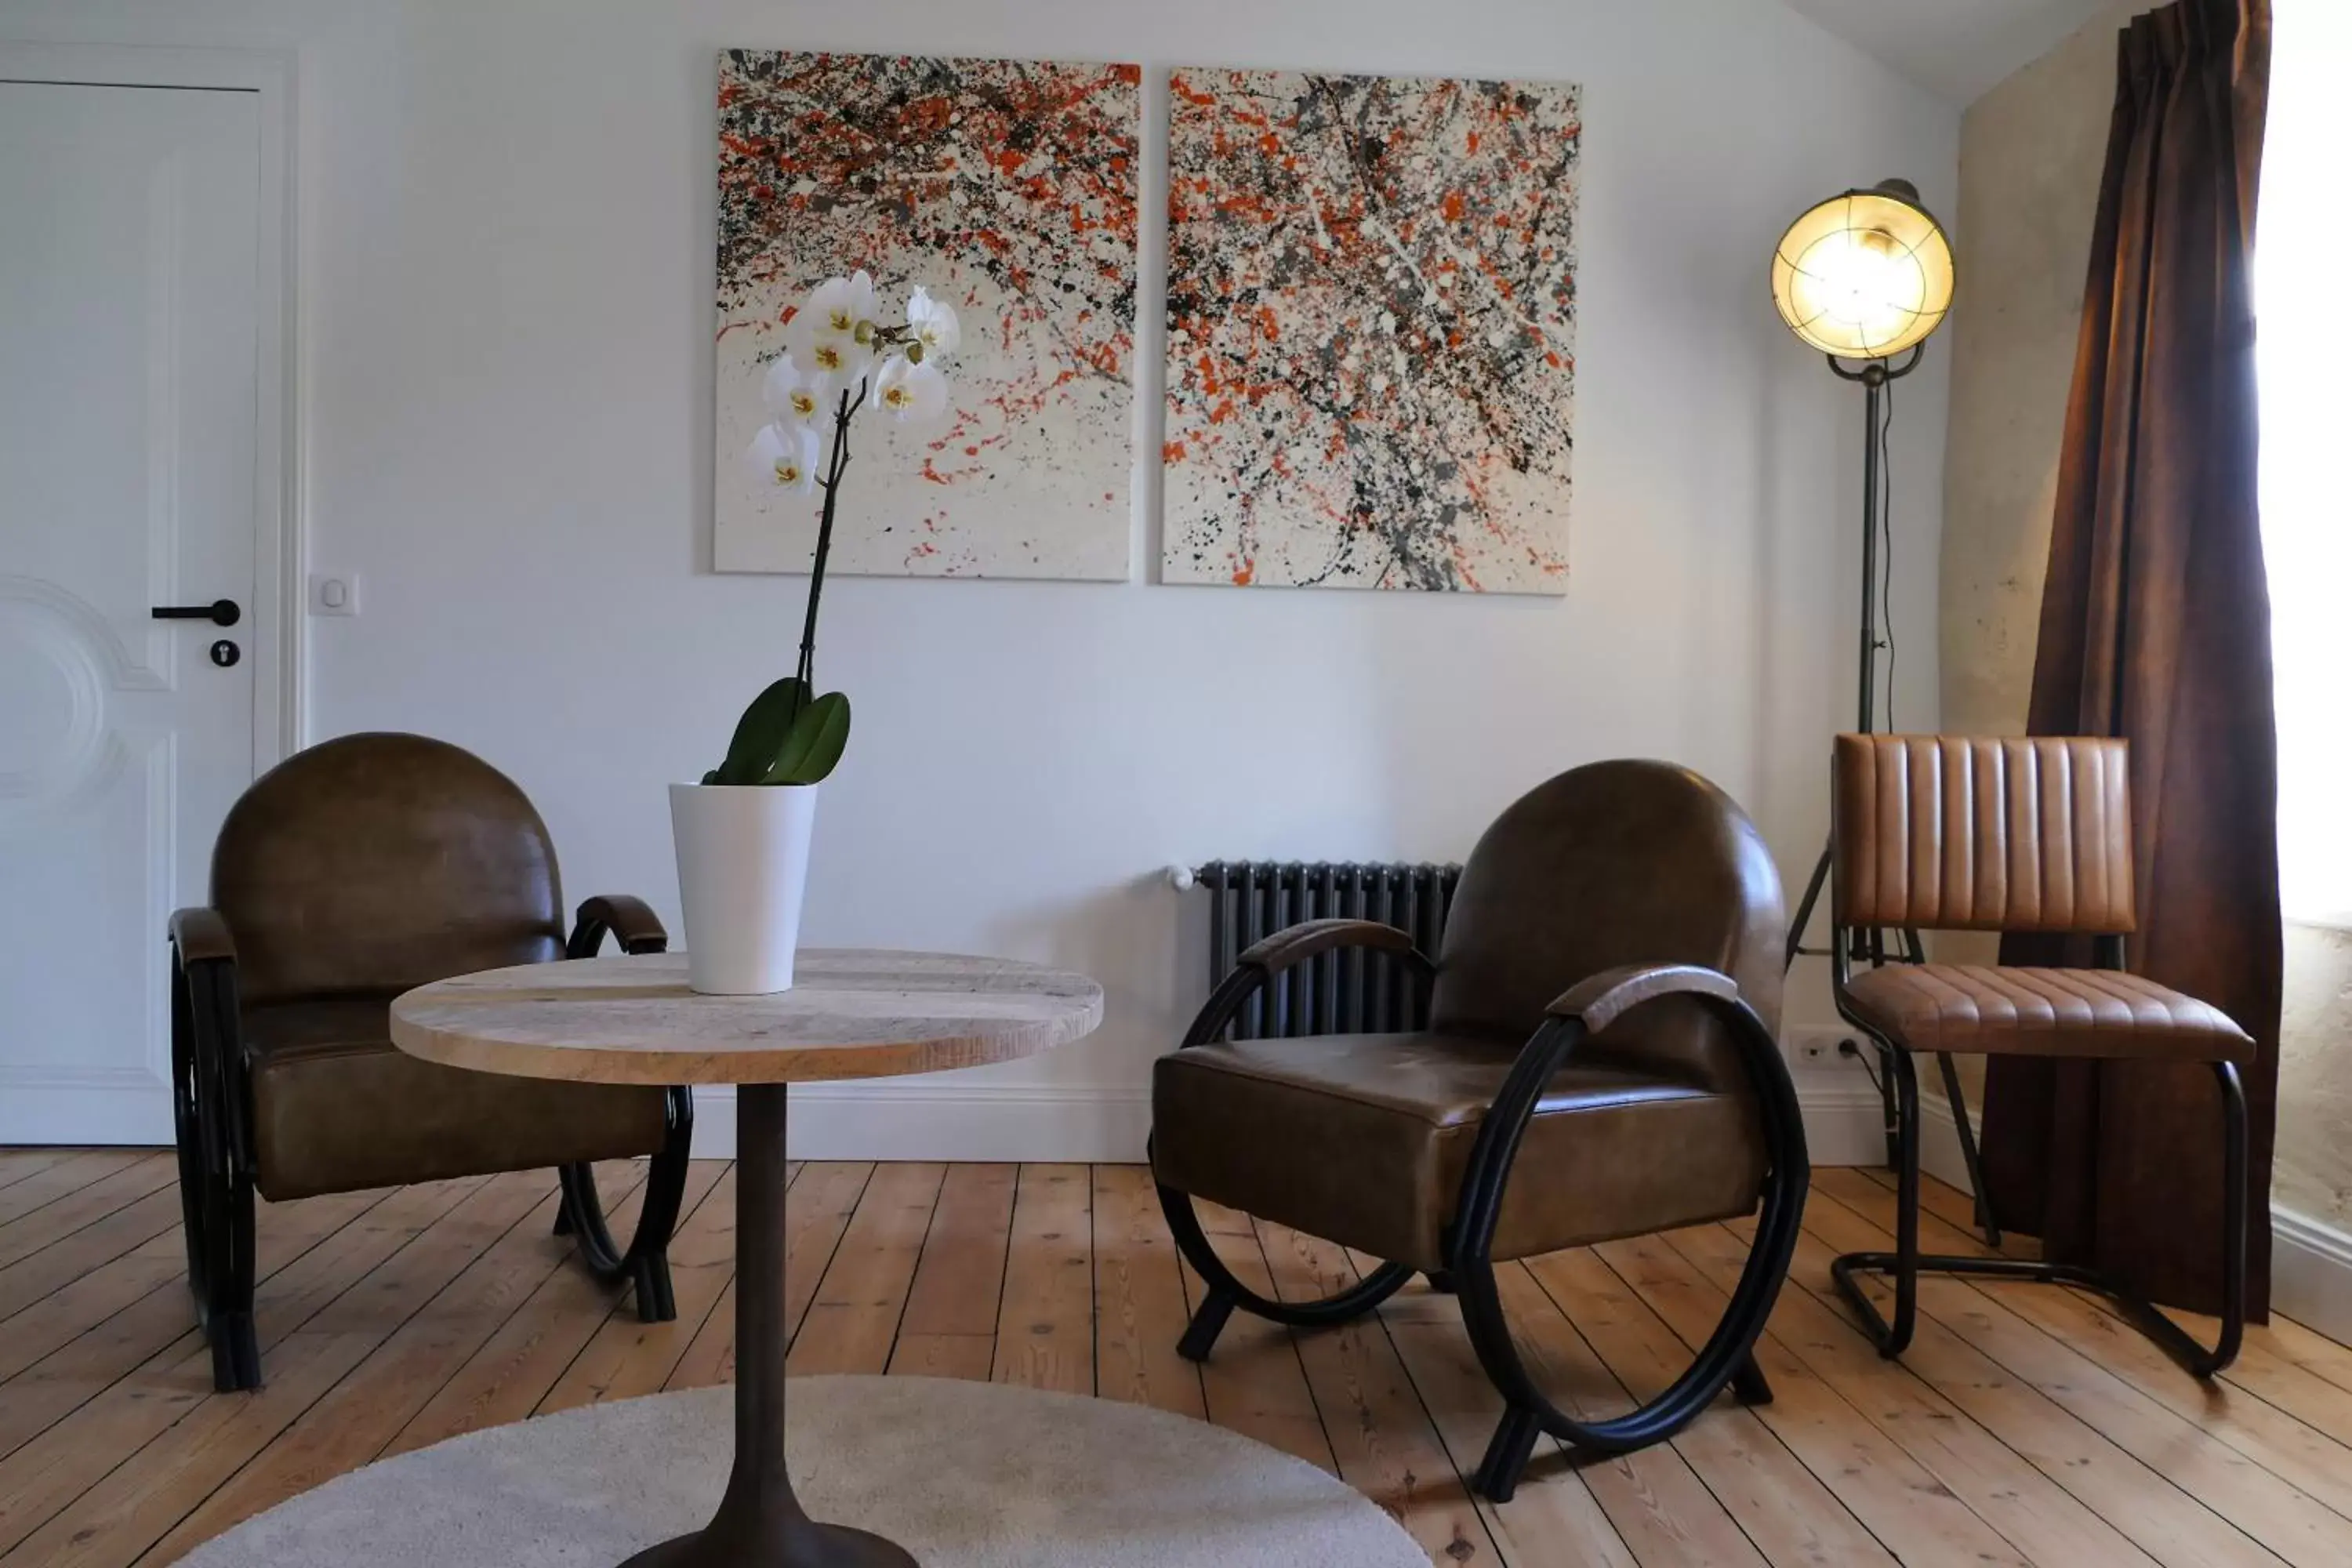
point(224, 653)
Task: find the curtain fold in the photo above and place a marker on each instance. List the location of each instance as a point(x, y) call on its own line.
point(2156, 625)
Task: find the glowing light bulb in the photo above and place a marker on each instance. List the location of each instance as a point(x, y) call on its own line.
point(1860, 280)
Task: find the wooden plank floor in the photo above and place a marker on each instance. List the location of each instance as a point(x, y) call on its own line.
point(2026, 1425)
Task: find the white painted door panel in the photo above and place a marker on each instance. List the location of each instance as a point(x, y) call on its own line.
point(128, 387)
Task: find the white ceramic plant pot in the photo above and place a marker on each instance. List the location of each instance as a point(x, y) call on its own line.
point(743, 865)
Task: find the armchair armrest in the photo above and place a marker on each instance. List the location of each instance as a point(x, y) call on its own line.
point(631, 921)
point(1297, 945)
point(201, 935)
point(1599, 1000)
point(208, 1066)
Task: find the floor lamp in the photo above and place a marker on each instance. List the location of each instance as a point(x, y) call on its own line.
point(1865, 277)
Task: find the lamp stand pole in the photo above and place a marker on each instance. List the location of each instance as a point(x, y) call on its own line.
point(1872, 945)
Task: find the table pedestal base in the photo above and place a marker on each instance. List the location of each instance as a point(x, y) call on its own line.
point(759, 1523)
point(803, 1544)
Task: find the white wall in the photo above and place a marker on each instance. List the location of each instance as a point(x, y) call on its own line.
point(506, 271)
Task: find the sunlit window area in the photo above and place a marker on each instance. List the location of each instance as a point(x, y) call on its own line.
point(2307, 519)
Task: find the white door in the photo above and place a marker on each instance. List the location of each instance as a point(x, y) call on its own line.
point(129, 272)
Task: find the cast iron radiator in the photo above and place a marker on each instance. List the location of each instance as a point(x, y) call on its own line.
point(1348, 992)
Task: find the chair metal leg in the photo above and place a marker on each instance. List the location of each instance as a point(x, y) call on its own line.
point(237, 1355)
point(1890, 1117)
point(1749, 1384)
point(1904, 1263)
point(1507, 1453)
point(1200, 1335)
point(1906, 1187)
point(2235, 1179)
point(1957, 1099)
point(223, 1290)
point(646, 1265)
point(1441, 1281)
point(649, 1279)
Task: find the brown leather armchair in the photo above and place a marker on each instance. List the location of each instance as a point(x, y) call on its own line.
point(1599, 1063)
point(346, 875)
point(1942, 832)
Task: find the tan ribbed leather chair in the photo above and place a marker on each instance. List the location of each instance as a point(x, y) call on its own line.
point(1945, 833)
point(1599, 1063)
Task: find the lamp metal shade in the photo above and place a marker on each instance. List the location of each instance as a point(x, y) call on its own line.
point(1865, 275)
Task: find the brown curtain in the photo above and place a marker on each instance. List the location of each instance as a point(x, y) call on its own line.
point(2156, 625)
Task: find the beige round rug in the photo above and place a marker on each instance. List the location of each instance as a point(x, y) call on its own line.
point(964, 1475)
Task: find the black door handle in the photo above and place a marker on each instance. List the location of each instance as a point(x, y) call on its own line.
point(220, 612)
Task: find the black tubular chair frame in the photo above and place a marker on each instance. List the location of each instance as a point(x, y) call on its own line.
point(1903, 1266)
point(209, 1126)
point(1728, 1358)
point(211, 1094)
point(581, 1214)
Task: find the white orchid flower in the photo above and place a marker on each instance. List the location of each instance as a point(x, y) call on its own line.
point(841, 304)
point(785, 458)
point(916, 394)
point(934, 325)
point(832, 358)
point(795, 395)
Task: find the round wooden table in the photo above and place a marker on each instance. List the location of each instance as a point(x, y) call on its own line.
point(852, 1014)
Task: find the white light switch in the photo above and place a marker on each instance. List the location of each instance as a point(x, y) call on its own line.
point(334, 593)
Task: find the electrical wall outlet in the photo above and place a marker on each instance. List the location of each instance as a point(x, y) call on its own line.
point(1817, 1049)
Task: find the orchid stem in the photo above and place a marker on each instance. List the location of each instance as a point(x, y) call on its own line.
point(837, 462)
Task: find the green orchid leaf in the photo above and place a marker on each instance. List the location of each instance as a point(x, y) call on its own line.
point(760, 734)
point(814, 747)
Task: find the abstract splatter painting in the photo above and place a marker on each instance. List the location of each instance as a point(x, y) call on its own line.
point(1008, 188)
point(1371, 324)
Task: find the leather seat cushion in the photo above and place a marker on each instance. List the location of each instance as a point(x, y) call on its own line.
point(2042, 1013)
point(1363, 1140)
point(337, 1107)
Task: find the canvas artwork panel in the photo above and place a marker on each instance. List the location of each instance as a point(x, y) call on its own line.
point(1008, 188)
point(1371, 331)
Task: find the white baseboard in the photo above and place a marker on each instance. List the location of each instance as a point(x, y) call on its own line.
point(918, 1121)
point(1844, 1125)
point(2311, 1273)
